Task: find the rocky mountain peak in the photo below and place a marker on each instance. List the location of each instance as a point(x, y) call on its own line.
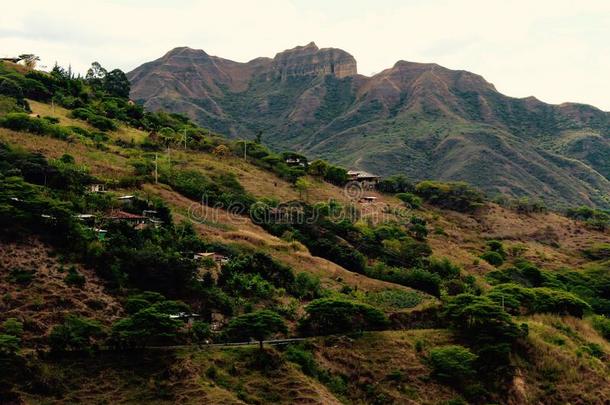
point(311, 60)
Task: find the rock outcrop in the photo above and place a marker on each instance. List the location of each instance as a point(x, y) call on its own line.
point(310, 60)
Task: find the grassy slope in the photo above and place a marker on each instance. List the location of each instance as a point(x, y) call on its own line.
point(551, 240)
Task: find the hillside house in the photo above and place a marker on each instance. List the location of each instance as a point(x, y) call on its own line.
point(368, 199)
point(295, 160)
point(216, 257)
point(367, 180)
point(134, 220)
point(96, 188)
point(126, 199)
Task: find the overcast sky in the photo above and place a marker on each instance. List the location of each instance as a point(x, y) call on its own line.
point(556, 50)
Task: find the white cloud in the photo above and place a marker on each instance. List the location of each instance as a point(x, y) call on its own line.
point(557, 50)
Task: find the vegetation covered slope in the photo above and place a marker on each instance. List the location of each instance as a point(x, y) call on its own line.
point(422, 120)
point(431, 293)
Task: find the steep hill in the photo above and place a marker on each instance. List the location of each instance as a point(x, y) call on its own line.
point(90, 318)
point(419, 119)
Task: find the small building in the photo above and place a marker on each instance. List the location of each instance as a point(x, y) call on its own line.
point(122, 216)
point(367, 180)
point(96, 188)
point(295, 160)
point(101, 233)
point(151, 215)
point(126, 199)
point(218, 258)
point(185, 316)
point(368, 199)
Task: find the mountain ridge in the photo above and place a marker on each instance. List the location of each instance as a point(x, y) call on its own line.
point(400, 120)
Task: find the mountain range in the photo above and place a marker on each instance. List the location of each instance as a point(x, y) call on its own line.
point(417, 119)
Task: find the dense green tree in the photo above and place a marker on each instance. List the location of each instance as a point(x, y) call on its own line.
point(335, 315)
point(116, 84)
point(76, 333)
point(318, 168)
point(452, 364)
point(258, 325)
point(147, 326)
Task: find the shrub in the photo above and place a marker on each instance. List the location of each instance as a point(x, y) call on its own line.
point(39, 126)
point(410, 200)
point(306, 286)
point(601, 324)
point(444, 268)
point(598, 251)
point(200, 331)
point(75, 333)
point(74, 278)
point(304, 358)
point(12, 326)
point(456, 196)
point(417, 278)
point(405, 252)
point(21, 276)
point(333, 315)
point(496, 246)
point(397, 183)
point(560, 302)
point(452, 363)
point(493, 258)
point(9, 344)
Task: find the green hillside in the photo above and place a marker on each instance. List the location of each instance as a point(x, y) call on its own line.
point(428, 293)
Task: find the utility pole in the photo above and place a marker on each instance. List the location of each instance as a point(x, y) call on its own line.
point(185, 138)
point(245, 153)
point(156, 170)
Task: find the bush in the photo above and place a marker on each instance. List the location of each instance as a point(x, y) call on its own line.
point(397, 183)
point(493, 258)
point(452, 363)
point(519, 300)
point(444, 268)
point(75, 333)
point(601, 324)
point(306, 286)
point(39, 126)
point(416, 278)
point(9, 344)
point(456, 196)
point(559, 302)
point(410, 200)
point(74, 278)
point(97, 121)
point(332, 315)
point(12, 326)
point(598, 251)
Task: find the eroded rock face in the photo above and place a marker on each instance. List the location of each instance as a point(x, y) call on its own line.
point(310, 60)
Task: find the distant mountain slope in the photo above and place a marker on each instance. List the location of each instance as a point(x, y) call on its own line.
point(419, 119)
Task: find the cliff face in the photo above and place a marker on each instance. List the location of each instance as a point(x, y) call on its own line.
point(310, 60)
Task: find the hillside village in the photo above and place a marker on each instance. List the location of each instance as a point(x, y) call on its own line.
point(144, 258)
